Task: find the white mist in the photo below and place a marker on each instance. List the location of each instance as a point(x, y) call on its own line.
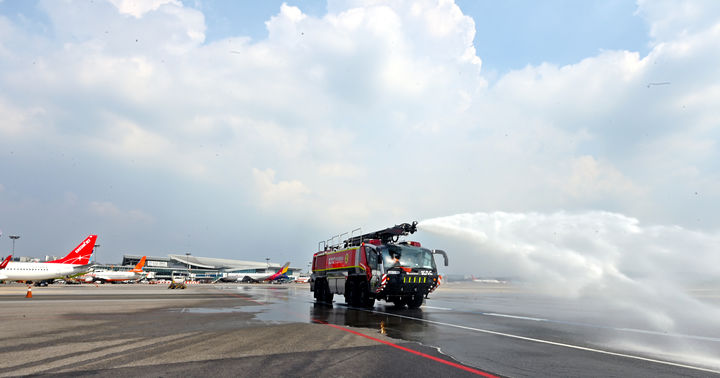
point(638, 275)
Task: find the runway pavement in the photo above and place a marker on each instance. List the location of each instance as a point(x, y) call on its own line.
point(234, 329)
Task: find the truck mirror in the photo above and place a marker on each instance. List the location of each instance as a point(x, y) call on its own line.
point(379, 259)
point(441, 252)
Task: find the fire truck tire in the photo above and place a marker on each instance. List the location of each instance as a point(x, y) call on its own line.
point(415, 301)
point(370, 303)
point(328, 295)
point(319, 290)
point(350, 293)
point(363, 297)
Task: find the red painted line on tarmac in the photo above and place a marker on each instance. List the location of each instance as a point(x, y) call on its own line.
point(446, 362)
point(421, 354)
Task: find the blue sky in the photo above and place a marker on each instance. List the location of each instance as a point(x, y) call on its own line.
point(510, 34)
point(513, 34)
point(211, 127)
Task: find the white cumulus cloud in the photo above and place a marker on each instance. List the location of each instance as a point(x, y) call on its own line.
point(111, 211)
point(139, 8)
point(373, 111)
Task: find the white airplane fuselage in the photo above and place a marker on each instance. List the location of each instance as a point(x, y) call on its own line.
point(25, 271)
point(238, 277)
point(256, 277)
point(114, 276)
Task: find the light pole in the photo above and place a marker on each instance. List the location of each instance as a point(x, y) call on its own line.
point(14, 237)
point(267, 260)
point(187, 258)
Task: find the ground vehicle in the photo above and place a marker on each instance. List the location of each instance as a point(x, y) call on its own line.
point(375, 266)
point(178, 280)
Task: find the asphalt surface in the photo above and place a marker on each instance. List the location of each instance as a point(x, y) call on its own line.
point(263, 330)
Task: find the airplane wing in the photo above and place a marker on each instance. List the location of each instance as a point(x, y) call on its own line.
point(81, 269)
point(85, 267)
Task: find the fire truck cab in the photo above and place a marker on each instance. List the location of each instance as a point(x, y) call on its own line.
point(375, 266)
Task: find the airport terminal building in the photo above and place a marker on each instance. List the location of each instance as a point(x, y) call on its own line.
point(198, 268)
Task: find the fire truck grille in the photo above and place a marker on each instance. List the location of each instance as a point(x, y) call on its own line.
point(415, 279)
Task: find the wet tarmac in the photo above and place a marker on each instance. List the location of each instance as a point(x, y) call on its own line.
point(511, 331)
point(206, 330)
point(234, 329)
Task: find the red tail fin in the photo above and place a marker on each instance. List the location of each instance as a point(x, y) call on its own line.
point(5, 262)
point(139, 266)
point(81, 254)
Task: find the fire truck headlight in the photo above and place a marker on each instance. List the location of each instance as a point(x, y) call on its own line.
point(394, 272)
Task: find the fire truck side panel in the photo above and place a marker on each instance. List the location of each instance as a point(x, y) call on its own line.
point(336, 266)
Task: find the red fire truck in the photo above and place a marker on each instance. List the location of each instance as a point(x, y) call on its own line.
point(374, 266)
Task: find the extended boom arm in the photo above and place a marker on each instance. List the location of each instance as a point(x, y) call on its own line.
point(386, 235)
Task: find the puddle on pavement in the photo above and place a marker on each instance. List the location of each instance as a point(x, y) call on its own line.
point(381, 320)
point(296, 305)
point(220, 310)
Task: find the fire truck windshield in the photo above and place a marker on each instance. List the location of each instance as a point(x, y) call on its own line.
point(407, 256)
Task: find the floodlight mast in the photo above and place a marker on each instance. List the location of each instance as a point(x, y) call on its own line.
point(14, 237)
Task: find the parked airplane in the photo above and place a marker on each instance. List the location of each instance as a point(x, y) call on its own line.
point(76, 262)
point(303, 278)
point(118, 276)
point(255, 277)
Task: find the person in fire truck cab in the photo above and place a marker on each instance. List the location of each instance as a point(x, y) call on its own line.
point(392, 259)
point(405, 256)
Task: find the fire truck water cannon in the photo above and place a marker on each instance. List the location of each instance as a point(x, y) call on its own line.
point(375, 265)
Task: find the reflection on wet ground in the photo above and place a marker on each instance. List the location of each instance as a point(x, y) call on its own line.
point(275, 304)
point(487, 322)
point(395, 327)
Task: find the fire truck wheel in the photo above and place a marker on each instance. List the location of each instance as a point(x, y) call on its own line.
point(370, 303)
point(415, 301)
point(316, 292)
point(327, 295)
point(350, 293)
point(320, 289)
point(363, 297)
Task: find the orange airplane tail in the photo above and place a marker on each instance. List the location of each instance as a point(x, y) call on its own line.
point(139, 266)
